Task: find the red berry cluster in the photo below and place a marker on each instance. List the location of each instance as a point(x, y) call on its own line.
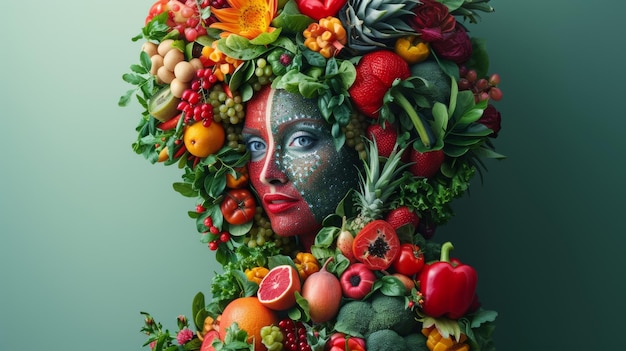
point(194, 100)
point(194, 26)
point(295, 335)
point(483, 88)
point(217, 237)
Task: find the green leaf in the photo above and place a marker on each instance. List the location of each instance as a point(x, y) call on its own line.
point(133, 78)
point(483, 152)
point(326, 236)
point(124, 99)
point(392, 286)
point(198, 310)
point(482, 316)
point(440, 123)
point(241, 229)
point(240, 48)
point(279, 260)
point(303, 304)
point(452, 4)
point(248, 287)
point(185, 189)
point(291, 20)
point(266, 38)
point(242, 74)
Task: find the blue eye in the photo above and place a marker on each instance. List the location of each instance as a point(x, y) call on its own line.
point(257, 148)
point(302, 140)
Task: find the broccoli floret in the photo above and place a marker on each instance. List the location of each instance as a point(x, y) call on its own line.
point(354, 318)
point(390, 313)
point(416, 342)
point(385, 340)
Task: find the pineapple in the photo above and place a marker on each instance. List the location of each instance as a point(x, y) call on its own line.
point(375, 24)
point(376, 185)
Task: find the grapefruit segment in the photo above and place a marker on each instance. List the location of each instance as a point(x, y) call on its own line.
point(278, 287)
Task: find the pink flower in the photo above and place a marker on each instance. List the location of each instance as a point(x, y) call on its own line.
point(432, 20)
point(184, 336)
point(152, 345)
point(491, 119)
point(455, 46)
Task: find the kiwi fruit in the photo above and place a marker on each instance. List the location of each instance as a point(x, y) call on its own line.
point(163, 105)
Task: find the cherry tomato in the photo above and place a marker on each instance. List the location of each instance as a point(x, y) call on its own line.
point(238, 206)
point(376, 245)
point(410, 260)
point(157, 8)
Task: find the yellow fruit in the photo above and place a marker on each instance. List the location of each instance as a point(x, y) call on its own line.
point(203, 141)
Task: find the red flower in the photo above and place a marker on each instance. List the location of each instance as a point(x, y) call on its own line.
point(455, 46)
point(491, 119)
point(432, 20)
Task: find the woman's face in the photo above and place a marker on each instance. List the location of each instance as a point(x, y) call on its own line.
point(298, 174)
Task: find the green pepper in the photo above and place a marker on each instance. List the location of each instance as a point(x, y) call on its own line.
point(448, 288)
point(280, 59)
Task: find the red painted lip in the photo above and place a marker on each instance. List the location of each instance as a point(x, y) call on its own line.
point(276, 203)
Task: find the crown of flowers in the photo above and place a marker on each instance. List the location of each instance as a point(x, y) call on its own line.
point(407, 68)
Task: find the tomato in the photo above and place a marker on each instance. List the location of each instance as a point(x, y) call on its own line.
point(341, 342)
point(376, 245)
point(410, 260)
point(157, 8)
point(238, 206)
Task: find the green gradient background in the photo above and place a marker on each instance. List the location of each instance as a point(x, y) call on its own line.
point(91, 234)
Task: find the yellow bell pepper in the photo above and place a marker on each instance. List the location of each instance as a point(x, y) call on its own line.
point(436, 342)
point(306, 264)
point(256, 274)
point(412, 49)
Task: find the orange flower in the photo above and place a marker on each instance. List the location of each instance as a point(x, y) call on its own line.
point(247, 18)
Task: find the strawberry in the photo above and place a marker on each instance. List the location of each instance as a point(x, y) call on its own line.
point(401, 216)
point(385, 137)
point(375, 74)
point(426, 164)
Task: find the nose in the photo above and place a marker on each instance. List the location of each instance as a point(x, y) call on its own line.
point(273, 172)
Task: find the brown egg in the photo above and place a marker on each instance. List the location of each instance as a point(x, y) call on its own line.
point(165, 75)
point(165, 46)
point(150, 48)
point(157, 62)
point(172, 58)
point(184, 71)
point(177, 87)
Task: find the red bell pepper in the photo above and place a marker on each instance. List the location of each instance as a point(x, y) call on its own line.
point(341, 342)
point(318, 9)
point(448, 288)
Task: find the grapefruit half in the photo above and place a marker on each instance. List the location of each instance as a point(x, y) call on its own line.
point(278, 287)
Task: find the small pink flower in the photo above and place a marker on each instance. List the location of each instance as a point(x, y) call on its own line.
point(182, 319)
point(184, 336)
point(152, 345)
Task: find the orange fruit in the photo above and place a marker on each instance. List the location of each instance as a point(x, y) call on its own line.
point(278, 287)
point(203, 141)
point(240, 181)
point(250, 315)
